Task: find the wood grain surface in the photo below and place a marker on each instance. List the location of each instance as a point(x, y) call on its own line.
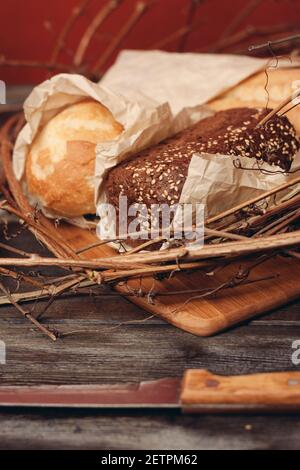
point(113, 341)
point(117, 343)
point(205, 317)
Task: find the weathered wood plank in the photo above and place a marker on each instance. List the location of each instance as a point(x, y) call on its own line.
point(103, 351)
point(157, 431)
point(137, 351)
point(140, 350)
point(134, 352)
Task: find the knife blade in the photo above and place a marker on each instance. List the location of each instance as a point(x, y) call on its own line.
point(152, 394)
point(199, 391)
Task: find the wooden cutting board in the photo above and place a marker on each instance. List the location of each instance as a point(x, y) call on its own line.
point(205, 317)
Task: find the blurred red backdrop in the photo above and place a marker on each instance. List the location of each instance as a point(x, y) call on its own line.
point(29, 29)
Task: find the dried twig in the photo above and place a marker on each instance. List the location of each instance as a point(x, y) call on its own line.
point(17, 276)
point(52, 66)
point(135, 262)
point(27, 315)
point(183, 31)
point(252, 224)
point(253, 200)
point(14, 250)
point(280, 107)
point(194, 4)
point(139, 10)
point(294, 254)
point(242, 14)
point(238, 280)
point(282, 223)
point(97, 21)
point(58, 291)
point(247, 33)
point(289, 39)
point(75, 14)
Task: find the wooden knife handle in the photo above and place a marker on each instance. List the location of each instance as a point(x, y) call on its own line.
point(268, 392)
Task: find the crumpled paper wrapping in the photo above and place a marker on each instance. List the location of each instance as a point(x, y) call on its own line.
point(184, 80)
point(218, 181)
point(144, 122)
point(153, 94)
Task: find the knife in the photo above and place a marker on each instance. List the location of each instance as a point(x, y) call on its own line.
point(199, 391)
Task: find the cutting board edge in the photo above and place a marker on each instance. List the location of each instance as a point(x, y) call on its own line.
point(210, 327)
point(205, 327)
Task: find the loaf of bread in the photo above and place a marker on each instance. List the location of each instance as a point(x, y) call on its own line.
point(256, 91)
point(157, 175)
point(59, 170)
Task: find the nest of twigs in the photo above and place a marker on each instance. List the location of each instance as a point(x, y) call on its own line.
point(250, 233)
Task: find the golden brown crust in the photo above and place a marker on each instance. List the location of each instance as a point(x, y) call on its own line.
point(251, 92)
point(59, 169)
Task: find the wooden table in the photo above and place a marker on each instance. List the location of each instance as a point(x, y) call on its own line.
point(141, 349)
point(103, 351)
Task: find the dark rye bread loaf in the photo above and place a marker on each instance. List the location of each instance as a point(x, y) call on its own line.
point(157, 174)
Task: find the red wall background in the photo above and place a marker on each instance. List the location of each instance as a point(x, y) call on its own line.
point(29, 29)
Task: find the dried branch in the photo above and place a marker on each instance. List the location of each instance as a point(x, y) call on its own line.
point(254, 200)
point(282, 223)
point(135, 262)
point(280, 107)
point(238, 280)
point(21, 277)
point(247, 33)
point(18, 126)
point(140, 8)
point(14, 250)
point(294, 254)
point(289, 39)
point(170, 38)
point(27, 315)
point(81, 290)
point(48, 238)
point(97, 21)
point(75, 14)
point(58, 291)
point(91, 246)
point(240, 17)
point(254, 223)
point(194, 4)
point(52, 66)
point(43, 293)
point(179, 33)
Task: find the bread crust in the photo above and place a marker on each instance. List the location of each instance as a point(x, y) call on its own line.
point(157, 175)
point(252, 92)
point(60, 165)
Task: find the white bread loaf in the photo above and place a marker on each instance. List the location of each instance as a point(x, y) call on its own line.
point(251, 92)
point(60, 165)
